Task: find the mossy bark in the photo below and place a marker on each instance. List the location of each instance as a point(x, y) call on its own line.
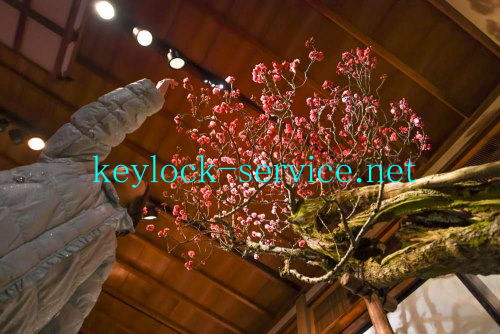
point(474, 249)
point(450, 225)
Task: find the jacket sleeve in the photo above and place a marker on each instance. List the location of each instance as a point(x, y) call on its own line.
point(70, 318)
point(95, 128)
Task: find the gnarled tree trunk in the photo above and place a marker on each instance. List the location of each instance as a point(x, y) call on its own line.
point(449, 224)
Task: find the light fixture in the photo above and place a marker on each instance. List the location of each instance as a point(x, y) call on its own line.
point(144, 37)
point(150, 212)
point(214, 83)
point(17, 136)
point(36, 143)
point(4, 123)
point(105, 10)
point(175, 60)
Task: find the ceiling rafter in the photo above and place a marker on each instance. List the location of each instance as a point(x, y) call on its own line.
point(116, 320)
point(327, 12)
point(132, 269)
point(68, 37)
point(448, 10)
point(469, 130)
point(244, 35)
point(21, 25)
point(54, 27)
point(230, 291)
point(147, 311)
point(70, 108)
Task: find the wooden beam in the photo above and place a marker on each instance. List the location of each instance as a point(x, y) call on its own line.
point(359, 325)
point(54, 27)
point(481, 142)
point(487, 298)
point(21, 24)
point(316, 291)
point(305, 317)
point(139, 307)
point(464, 23)
point(68, 37)
point(468, 132)
point(319, 6)
point(218, 283)
point(132, 269)
point(326, 292)
point(117, 322)
point(377, 315)
point(242, 34)
point(338, 325)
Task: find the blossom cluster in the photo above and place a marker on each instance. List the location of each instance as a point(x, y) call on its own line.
point(341, 124)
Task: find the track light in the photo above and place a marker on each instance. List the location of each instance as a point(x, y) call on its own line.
point(150, 212)
point(4, 123)
point(36, 143)
point(17, 136)
point(144, 37)
point(175, 60)
point(105, 10)
point(215, 83)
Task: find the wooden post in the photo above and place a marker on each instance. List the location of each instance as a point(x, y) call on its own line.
point(373, 303)
point(377, 314)
point(483, 294)
point(305, 317)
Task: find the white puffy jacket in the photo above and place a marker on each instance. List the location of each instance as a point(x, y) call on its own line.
point(57, 226)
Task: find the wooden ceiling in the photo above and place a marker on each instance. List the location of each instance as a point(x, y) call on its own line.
point(435, 58)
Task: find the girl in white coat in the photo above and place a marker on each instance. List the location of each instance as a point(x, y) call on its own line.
point(57, 227)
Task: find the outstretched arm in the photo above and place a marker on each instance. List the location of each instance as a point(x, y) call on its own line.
point(97, 127)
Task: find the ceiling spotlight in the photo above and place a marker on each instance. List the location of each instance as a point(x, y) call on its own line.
point(17, 136)
point(105, 10)
point(36, 143)
point(4, 123)
point(150, 212)
point(143, 36)
point(174, 59)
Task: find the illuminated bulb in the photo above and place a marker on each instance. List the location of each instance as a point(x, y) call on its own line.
point(177, 63)
point(143, 37)
point(150, 212)
point(105, 10)
point(174, 59)
point(36, 143)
